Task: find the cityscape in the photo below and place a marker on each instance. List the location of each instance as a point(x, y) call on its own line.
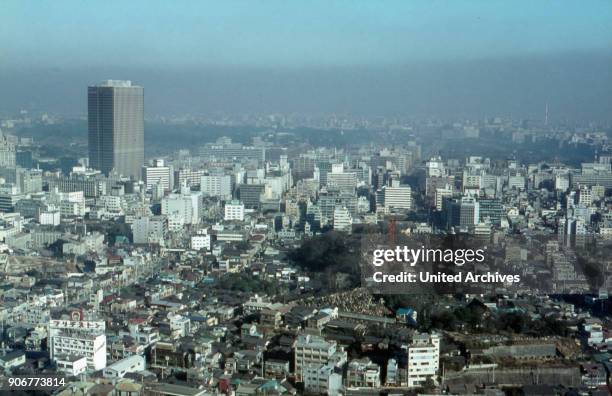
point(328, 252)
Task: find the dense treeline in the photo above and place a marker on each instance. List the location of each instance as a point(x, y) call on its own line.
point(330, 253)
point(331, 249)
point(247, 284)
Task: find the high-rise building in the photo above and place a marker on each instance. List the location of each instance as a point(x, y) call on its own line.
point(342, 220)
point(23, 158)
point(516, 182)
point(332, 199)
point(435, 167)
point(157, 173)
point(598, 192)
point(469, 212)
point(116, 127)
point(250, 195)
point(397, 197)
point(188, 176)
point(29, 180)
point(462, 213)
point(303, 167)
point(9, 196)
point(149, 229)
point(7, 152)
point(492, 209)
point(344, 181)
point(185, 206)
point(219, 186)
point(585, 197)
point(441, 193)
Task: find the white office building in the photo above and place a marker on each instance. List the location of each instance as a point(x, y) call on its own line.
point(441, 194)
point(219, 186)
point(585, 197)
point(113, 203)
point(201, 241)
point(157, 174)
point(80, 338)
point(149, 229)
point(435, 167)
point(234, 210)
point(516, 182)
point(51, 217)
point(343, 221)
point(423, 358)
point(344, 181)
point(311, 350)
point(72, 204)
point(397, 197)
point(471, 180)
point(562, 182)
point(184, 207)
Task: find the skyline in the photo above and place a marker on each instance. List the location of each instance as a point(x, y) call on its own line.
point(574, 85)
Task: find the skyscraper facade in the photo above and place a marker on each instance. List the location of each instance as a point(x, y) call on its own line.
point(116, 127)
point(7, 152)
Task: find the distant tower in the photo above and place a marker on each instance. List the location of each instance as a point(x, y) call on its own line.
point(546, 115)
point(116, 127)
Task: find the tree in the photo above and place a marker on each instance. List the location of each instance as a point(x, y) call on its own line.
point(429, 385)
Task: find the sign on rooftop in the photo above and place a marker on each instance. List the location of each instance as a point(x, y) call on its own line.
point(77, 324)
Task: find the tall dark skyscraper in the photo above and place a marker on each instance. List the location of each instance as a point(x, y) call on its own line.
point(116, 127)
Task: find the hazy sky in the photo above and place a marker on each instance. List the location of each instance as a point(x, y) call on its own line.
point(294, 33)
point(312, 55)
